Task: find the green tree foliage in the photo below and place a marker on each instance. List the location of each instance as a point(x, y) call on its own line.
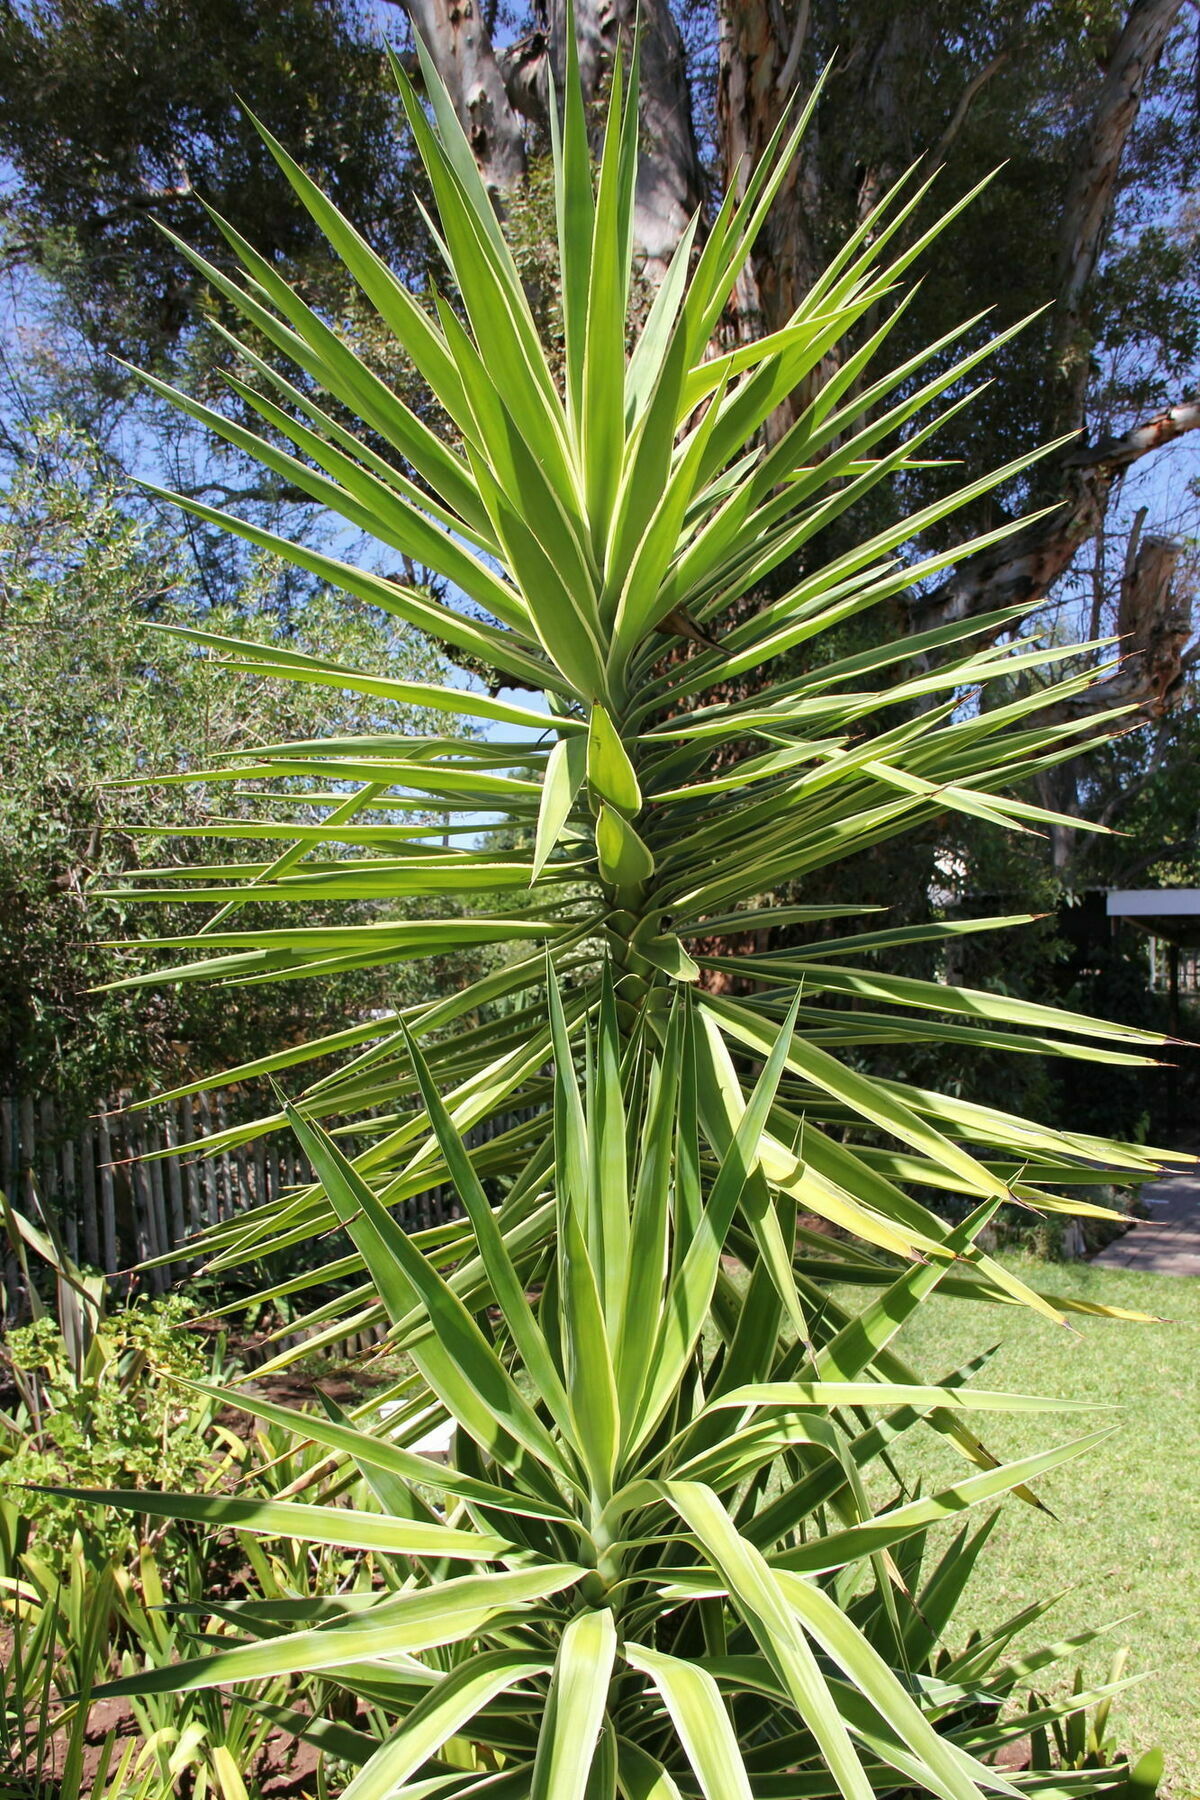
point(1087, 110)
point(980, 89)
point(118, 116)
point(93, 694)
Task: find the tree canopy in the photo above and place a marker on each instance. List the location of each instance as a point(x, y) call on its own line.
point(1081, 119)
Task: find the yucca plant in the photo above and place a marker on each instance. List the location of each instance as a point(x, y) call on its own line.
point(652, 1563)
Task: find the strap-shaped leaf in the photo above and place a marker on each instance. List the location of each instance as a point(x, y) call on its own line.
point(448, 1706)
point(889, 1528)
point(752, 1586)
point(397, 1626)
point(828, 1624)
point(307, 1524)
point(687, 1300)
point(611, 775)
point(575, 1708)
point(507, 1288)
point(693, 1700)
point(460, 1365)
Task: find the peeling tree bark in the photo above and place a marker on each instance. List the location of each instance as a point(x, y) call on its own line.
point(497, 91)
point(1154, 625)
point(670, 184)
point(457, 37)
point(757, 67)
point(1028, 565)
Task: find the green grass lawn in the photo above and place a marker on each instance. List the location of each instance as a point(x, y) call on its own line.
point(1127, 1534)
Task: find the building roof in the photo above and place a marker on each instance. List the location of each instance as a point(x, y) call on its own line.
point(1169, 913)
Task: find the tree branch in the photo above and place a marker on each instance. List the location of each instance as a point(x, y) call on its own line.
point(965, 102)
point(1092, 190)
point(1032, 560)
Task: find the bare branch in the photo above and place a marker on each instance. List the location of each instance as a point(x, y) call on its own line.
point(1115, 454)
point(1092, 189)
point(786, 79)
point(1131, 549)
point(1026, 567)
point(966, 100)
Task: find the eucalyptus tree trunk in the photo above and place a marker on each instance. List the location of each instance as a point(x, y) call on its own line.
point(1026, 567)
point(759, 72)
point(1095, 173)
point(457, 36)
point(498, 90)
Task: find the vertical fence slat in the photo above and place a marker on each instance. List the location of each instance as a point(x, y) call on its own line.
point(70, 1198)
point(174, 1175)
point(28, 1140)
point(108, 1199)
point(209, 1167)
point(48, 1191)
point(158, 1205)
point(87, 1191)
point(8, 1183)
point(8, 1150)
point(8, 1159)
point(241, 1181)
point(227, 1176)
point(140, 1189)
point(187, 1135)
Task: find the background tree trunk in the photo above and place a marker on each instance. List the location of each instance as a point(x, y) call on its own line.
point(1088, 213)
point(496, 91)
point(457, 37)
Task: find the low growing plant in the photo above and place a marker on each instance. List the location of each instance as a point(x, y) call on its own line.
point(1078, 1737)
point(98, 1403)
point(55, 1642)
point(650, 1565)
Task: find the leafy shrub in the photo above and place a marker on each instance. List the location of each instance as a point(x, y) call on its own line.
point(122, 1421)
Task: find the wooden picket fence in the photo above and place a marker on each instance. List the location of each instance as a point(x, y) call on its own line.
point(115, 1204)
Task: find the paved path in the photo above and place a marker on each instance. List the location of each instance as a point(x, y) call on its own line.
point(1168, 1241)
